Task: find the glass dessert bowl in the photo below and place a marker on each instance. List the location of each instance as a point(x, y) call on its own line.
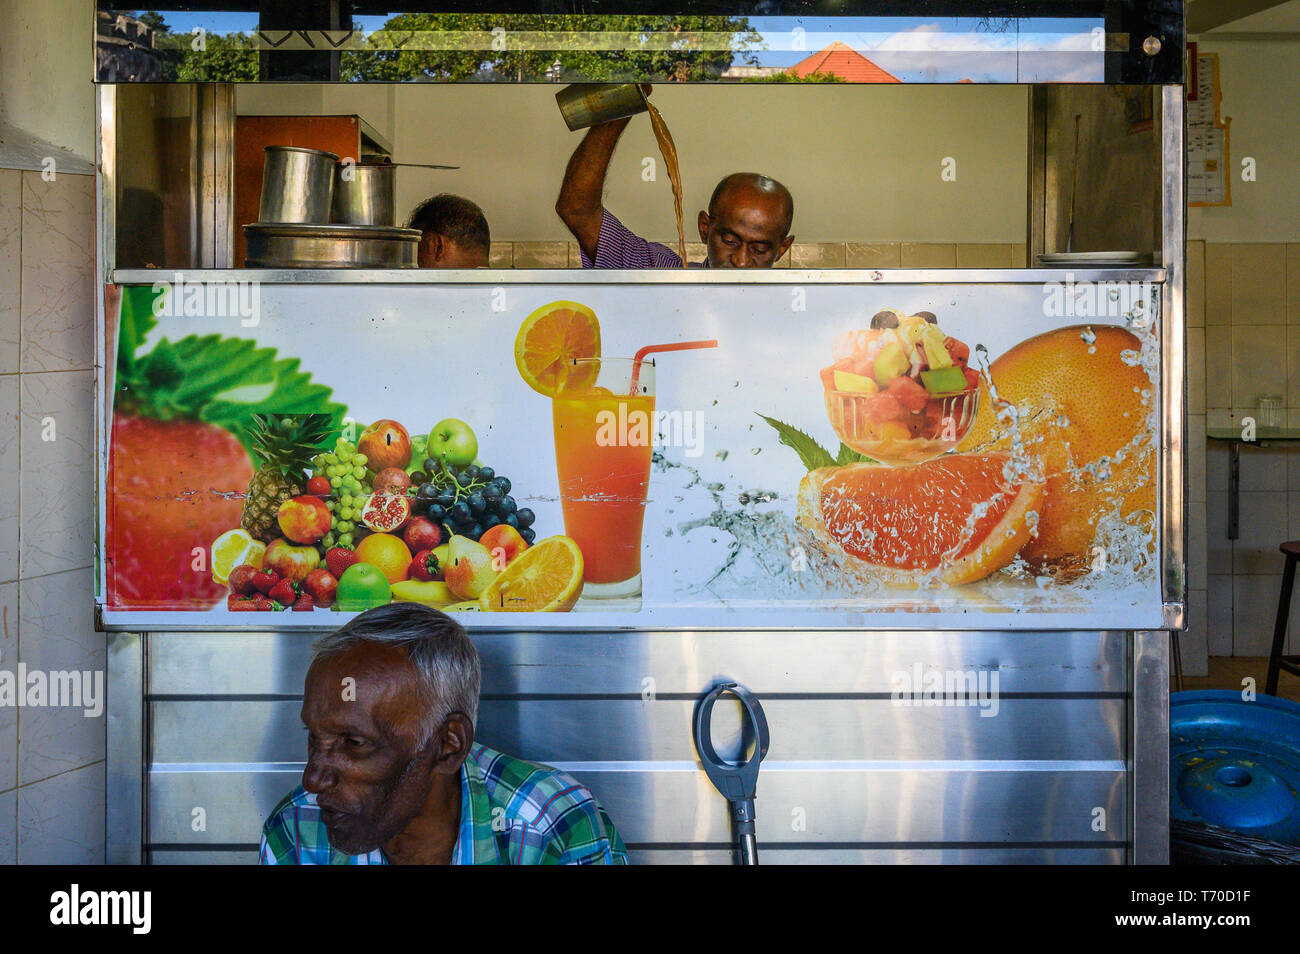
point(901, 392)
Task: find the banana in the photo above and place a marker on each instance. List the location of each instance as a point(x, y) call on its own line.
point(432, 592)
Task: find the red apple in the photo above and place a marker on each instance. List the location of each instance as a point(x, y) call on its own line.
point(304, 519)
point(385, 444)
point(504, 543)
point(422, 534)
point(291, 561)
point(321, 585)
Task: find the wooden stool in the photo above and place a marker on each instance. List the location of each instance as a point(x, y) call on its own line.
point(1276, 661)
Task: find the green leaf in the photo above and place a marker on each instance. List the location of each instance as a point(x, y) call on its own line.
point(848, 455)
point(810, 452)
point(135, 320)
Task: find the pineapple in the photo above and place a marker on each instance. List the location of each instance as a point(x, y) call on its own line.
point(283, 447)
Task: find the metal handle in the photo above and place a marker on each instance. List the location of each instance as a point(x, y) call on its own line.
point(737, 782)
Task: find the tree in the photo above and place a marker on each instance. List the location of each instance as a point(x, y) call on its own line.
point(683, 60)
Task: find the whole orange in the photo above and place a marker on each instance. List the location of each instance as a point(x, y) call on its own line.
point(1079, 403)
point(387, 552)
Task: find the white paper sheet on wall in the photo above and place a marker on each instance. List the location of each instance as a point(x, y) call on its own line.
point(1207, 135)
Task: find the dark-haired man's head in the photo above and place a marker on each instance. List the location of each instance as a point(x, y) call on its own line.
point(748, 222)
point(453, 233)
point(389, 706)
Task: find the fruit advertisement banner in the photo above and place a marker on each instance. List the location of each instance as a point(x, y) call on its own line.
point(650, 455)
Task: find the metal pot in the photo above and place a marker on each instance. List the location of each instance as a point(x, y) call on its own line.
point(587, 104)
point(297, 185)
point(365, 193)
point(277, 245)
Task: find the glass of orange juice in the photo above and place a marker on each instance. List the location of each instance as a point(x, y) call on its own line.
point(603, 440)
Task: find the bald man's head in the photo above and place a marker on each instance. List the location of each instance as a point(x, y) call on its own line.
point(748, 222)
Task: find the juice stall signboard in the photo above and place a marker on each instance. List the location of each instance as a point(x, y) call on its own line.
point(848, 455)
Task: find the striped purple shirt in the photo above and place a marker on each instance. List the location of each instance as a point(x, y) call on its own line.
point(617, 247)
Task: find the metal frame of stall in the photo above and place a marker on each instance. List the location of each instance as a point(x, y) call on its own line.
point(165, 687)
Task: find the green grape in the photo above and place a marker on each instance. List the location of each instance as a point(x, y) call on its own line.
point(358, 472)
point(346, 526)
point(336, 482)
point(328, 540)
point(331, 506)
point(329, 458)
point(359, 459)
point(345, 540)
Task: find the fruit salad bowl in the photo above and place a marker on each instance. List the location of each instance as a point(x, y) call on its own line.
point(883, 431)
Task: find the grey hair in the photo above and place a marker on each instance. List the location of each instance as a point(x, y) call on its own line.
point(444, 658)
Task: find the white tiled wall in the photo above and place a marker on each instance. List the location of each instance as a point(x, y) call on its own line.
point(51, 760)
point(1247, 298)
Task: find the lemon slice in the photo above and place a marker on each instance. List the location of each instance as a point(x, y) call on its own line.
point(545, 578)
point(549, 341)
point(234, 548)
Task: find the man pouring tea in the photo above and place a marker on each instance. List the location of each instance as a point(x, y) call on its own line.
point(747, 223)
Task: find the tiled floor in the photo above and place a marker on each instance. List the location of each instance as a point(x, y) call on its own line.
point(1227, 672)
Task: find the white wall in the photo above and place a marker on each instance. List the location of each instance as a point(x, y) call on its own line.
point(863, 162)
point(46, 89)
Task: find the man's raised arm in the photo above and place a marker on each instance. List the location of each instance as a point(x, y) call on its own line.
point(579, 204)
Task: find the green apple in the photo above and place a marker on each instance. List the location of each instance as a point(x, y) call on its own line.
point(452, 442)
point(360, 587)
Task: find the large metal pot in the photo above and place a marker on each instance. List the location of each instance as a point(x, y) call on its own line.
point(297, 185)
point(276, 245)
point(365, 193)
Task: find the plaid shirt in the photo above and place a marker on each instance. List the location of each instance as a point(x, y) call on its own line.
point(512, 812)
point(617, 247)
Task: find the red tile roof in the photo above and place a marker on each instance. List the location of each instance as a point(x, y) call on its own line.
point(846, 63)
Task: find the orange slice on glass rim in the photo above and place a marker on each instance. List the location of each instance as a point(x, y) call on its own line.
point(545, 578)
point(549, 343)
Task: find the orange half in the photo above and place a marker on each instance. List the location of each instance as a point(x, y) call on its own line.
point(545, 578)
point(548, 343)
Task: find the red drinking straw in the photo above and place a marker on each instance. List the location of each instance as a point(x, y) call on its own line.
point(659, 349)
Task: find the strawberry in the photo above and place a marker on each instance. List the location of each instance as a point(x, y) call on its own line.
point(339, 559)
point(263, 603)
point(177, 468)
point(284, 592)
point(265, 580)
point(304, 604)
point(319, 486)
point(241, 579)
point(238, 603)
point(424, 566)
point(173, 487)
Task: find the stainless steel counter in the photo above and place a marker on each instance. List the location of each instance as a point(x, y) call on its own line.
point(852, 776)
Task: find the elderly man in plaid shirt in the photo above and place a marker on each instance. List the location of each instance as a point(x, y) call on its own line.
point(394, 775)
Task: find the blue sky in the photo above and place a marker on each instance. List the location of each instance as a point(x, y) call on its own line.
point(914, 49)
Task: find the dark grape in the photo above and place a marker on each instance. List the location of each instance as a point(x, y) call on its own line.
point(476, 503)
point(418, 477)
point(428, 490)
point(507, 505)
point(504, 484)
point(526, 517)
point(430, 465)
point(490, 521)
point(464, 479)
point(492, 493)
point(472, 470)
point(528, 533)
point(486, 473)
point(446, 498)
point(459, 511)
point(437, 512)
point(512, 519)
point(475, 531)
